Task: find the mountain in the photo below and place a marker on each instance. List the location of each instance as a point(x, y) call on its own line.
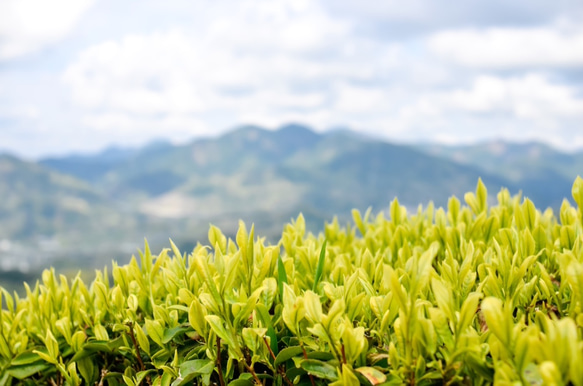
point(42, 206)
point(538, 169)
point(39, 201)
point(89, 167)
point(48, 218)
point(291, 169)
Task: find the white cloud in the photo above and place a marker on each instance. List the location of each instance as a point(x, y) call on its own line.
point(511, 47)
point(173, 73)
point(177, 127)
point(185, 68)
point(262, 58)
point(516, 108)
point(529, 97)
point(402, 20)
point(27, 26)
point(172, 81)
point(140, 75)
point(285, 25)
point(354, 99)
point(23, 112)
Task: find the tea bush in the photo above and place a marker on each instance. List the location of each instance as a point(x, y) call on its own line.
point(470, 294)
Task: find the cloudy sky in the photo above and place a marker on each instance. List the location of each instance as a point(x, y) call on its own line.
point(80, 75)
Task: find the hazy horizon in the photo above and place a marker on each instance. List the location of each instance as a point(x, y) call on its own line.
point(162, 140)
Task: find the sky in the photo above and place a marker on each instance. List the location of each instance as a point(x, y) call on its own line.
point(82, 75)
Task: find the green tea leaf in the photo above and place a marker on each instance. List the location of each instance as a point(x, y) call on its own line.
point(468, 311)
point(529, 212)
point(52, 345)
point(577, 192)
point(265, 318)
point(288, 353)
point(550, 374)
point(443, 297)
point(354, 343)
point(142, 339)
point(155, 331)
point(347, 376)
point(482, 196)
point(313, 307)
point(88, 369)
point(171, 333)
point(28, 370)
point(241, 382)
point(320, 267)
point(374, 376)
point(196, 316)
point(189, 370)
point(46, 357)
point(496, 319)
point(25, 358)
point(320, 369)
point(358, 221)
point(217, 239)
point(100, 332)
point(281, 276)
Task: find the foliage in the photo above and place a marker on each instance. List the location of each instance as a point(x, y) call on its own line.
point(473, 294)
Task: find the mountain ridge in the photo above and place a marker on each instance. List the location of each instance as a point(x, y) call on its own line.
point(175, 165)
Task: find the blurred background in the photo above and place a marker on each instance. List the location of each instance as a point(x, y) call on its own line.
point(121, 121)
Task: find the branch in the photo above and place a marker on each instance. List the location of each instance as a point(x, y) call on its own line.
point(250, 369)
point(136, 346)
point(280, 370)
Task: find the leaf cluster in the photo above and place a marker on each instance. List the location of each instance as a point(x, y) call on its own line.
point(481, 293)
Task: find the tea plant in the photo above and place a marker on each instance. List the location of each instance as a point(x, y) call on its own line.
point(468, 294)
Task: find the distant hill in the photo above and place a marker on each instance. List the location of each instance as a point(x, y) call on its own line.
point(40, 203)
point(89, 167)
point(50, 218)
point(251, 170)
point(541, 171)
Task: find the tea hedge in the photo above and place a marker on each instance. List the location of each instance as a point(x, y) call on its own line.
point(468, 294)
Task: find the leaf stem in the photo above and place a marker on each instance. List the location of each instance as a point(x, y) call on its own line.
point(103, 374)
point(219, 366)
point(279, 369)
point(136, 346)
point(250, 369)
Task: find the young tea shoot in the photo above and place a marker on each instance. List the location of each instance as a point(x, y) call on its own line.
point(490, 292)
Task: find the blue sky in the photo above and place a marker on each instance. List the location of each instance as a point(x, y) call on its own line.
point(80, 75)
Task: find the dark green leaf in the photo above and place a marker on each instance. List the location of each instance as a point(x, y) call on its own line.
point(265, 318)
point(288, 353)
point(170, 333)
point(241, 382)
point(320, 355)
point(192, 369)
point(25, 371)
point(320, 369)
point(25, 358)
point(88, 370)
